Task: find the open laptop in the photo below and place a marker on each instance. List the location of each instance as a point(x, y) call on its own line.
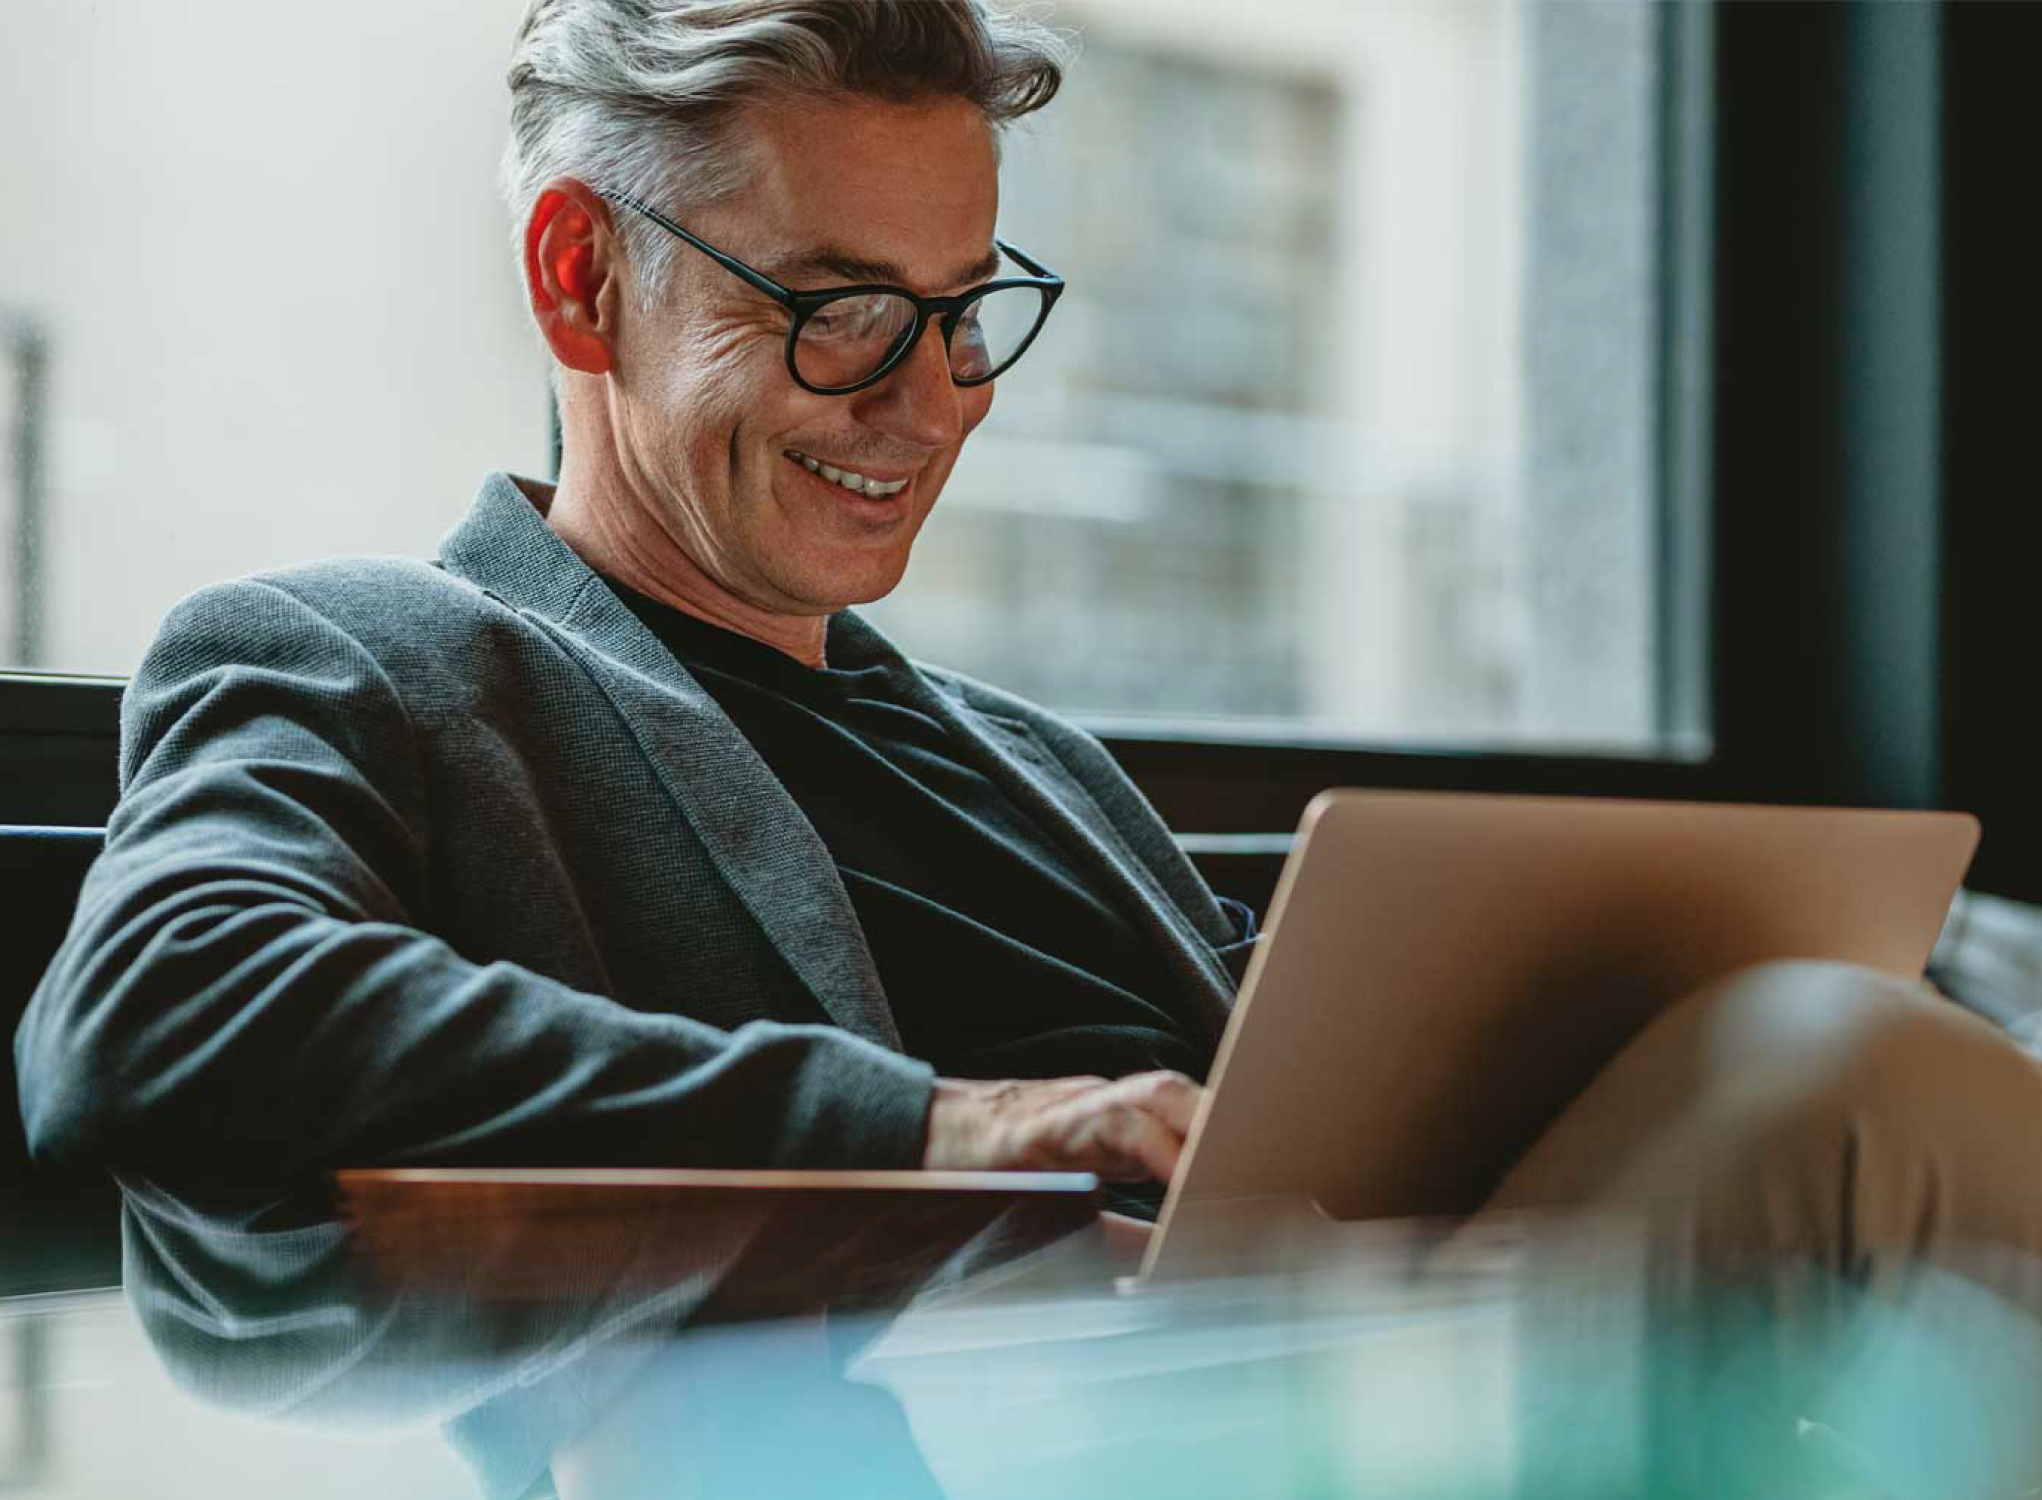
point(1442, 973)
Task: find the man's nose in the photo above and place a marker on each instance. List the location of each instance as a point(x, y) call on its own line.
point(918, 401)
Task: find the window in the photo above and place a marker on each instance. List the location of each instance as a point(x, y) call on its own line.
point(1349, 420)
point(1351, 424)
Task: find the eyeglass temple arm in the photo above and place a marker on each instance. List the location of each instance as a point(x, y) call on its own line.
point(729, 263)
point(1027, 263)
point(766, 283)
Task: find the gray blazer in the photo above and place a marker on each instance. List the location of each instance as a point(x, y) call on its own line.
point(452, 862)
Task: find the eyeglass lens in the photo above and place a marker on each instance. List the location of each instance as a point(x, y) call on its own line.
point(845, 341)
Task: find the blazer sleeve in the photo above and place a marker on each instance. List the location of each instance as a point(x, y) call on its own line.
point(249, 988)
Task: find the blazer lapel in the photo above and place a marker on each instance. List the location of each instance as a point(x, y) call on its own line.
point(758, 838)
point(1040, 785)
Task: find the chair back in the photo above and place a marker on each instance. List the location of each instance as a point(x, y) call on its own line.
point(57, 1230)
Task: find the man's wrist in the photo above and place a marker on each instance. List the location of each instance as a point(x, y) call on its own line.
point(953, 1140)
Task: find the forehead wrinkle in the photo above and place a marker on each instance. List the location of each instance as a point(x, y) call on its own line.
point(856, 268)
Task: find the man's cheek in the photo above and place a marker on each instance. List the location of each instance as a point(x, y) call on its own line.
point(976, 413)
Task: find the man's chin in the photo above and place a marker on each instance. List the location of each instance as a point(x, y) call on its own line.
point(855, 581)
point(876, 591)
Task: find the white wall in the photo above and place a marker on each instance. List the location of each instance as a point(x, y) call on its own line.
point(266, 246)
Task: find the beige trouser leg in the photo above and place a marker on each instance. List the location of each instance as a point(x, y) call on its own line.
point(1808, 1107)
point(1829, 1184)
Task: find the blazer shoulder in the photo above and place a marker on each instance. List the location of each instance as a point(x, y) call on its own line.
point(392, 607)
point(406, 591)
point(433, 640)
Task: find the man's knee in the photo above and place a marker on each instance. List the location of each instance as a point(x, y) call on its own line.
point(1807, 1040)
point(1812, 1008)
point(1781, 1083)
point(1852, 1110)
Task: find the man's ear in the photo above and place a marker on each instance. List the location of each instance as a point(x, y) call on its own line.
point(571, 275)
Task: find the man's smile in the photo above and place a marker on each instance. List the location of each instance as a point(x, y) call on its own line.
point(869, 486)
point(870, 494)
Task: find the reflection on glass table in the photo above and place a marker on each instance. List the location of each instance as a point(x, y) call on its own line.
point(523, 1335)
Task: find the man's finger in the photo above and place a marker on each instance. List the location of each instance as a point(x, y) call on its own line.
point(1171, 1097)
point(1143, 1140)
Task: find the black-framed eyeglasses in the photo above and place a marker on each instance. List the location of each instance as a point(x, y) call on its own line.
point(844, 338)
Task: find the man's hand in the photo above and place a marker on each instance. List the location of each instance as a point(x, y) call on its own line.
point(1123, 1129)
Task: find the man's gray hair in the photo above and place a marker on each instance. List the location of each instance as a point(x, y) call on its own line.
point(636, 96)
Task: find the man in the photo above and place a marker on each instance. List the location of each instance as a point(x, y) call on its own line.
point(459, 862)
point(616, 837)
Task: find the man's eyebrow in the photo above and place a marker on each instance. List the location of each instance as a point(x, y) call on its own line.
point(835, 261)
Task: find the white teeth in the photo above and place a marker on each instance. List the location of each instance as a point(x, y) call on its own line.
point(856, 483)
